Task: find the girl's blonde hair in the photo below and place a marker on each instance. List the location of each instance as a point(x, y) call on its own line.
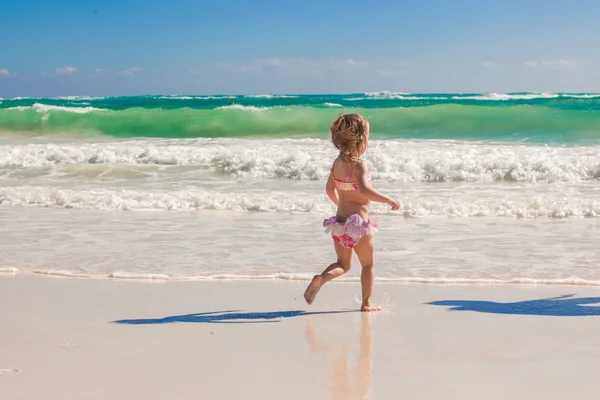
point(348, 131)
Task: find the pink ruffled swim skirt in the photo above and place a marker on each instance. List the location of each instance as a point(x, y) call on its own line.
point(349, 232)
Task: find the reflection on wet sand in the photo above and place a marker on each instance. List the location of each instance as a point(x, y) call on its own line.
point(342, 387)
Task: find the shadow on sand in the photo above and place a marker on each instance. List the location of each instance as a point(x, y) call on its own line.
point(229, 317)
point(561, 306)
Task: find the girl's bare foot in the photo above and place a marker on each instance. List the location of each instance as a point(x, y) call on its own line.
point(368, 307)
point(312, 289)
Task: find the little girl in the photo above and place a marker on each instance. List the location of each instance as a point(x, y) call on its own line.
point(350, 189)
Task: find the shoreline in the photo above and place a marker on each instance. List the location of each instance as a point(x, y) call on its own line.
point(304, 278)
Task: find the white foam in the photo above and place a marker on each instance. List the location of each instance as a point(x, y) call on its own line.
point(67, 273)
point(385, 94)
point(505, 96)
point(45, 109)
point(166, 277)
point(63, 272)
point(393, 96)
point(130, 200)
point(420, 98)
point(243, 108)
point(133, 275)
point(333, 105)
point(581, 96)
point(308, 276)
point(393, 160)
point(178, 97)
point(175, 97)
point(8, 270)
point(432, 205)
point(78, 98)
point(488, 281)
point(271, 96)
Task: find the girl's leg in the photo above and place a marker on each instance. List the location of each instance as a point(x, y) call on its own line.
point(343, 264)
point(366, 255)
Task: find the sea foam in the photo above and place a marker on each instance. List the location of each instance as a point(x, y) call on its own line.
point(307, 276)
point(404, 161)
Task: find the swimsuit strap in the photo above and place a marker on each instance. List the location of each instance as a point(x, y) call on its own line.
point(349, 173)
point(352, 167)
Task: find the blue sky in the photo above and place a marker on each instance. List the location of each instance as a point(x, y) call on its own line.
point(127, 47)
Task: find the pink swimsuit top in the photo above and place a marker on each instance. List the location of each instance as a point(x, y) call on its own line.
point(346, 185)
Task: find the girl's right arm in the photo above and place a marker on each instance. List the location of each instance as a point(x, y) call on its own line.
point(331, 191)
point(364, 188)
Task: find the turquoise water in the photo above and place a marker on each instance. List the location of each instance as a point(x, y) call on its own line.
point(493, 187)
point(531, 117)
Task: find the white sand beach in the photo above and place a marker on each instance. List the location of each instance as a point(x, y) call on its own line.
point(66, 338)
point(167, 171)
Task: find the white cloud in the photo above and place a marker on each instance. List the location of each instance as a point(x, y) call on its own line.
point(490, 65)
point(258, 66)
point(131, 71)
point(555, 65)
point(532, 64)
point(392, 72)
point(99, 70)
point(396, 69)
point(274, 62)
point(292, 64)
point(66, 70)
point(348, 63)
point(233, 67)
point(4, 72)
point(402, 64)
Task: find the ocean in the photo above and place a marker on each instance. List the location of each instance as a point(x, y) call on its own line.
point(494, 187)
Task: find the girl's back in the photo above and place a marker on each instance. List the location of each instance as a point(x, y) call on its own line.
point(351, 199)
